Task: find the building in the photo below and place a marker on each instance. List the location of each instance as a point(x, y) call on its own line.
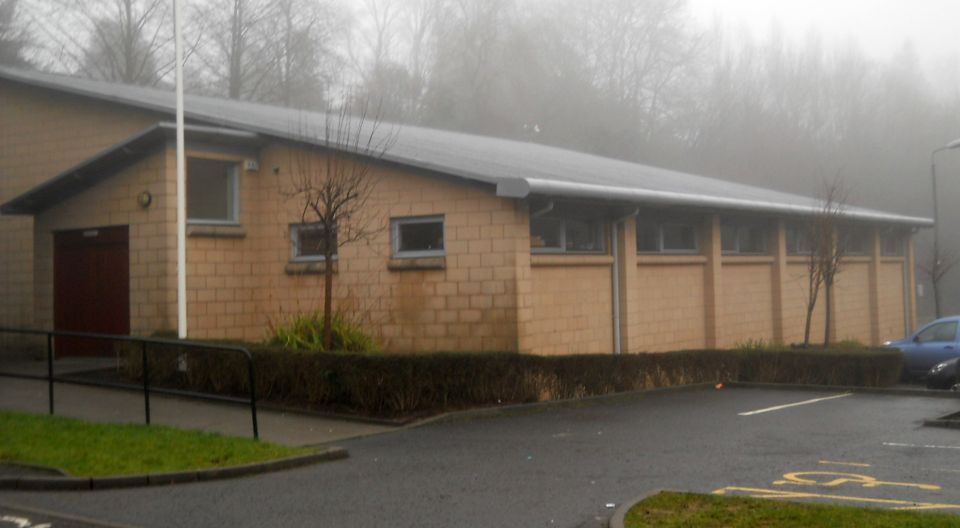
point(486, 244)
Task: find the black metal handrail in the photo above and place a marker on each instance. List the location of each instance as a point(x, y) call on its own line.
point(147, 389)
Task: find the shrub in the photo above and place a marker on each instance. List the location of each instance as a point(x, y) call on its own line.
point(407, 385)
point(305, 332)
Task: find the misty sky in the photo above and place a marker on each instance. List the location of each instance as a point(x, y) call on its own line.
point(879, 26)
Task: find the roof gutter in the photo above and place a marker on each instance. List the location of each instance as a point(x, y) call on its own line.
point(524, 187)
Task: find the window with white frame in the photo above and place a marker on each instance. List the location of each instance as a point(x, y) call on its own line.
point(308, 242)
point(559, 234)
point(213, 195)
point(798, 239)
point(743, 238)
point(420, 236)
point(667, 236)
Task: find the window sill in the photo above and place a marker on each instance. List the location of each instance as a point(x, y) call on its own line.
point(218, 231)
point(422, 263)
point(667, 258)
point(747, 259)
point(315, 267)
point(570, 259)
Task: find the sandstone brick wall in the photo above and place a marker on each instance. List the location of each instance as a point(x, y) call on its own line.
point(795, 305)
point(667, 312)
point(747, 301)
point(152, 240)
point(891, 299)
point(571, 299)
point(240, 284)
point(852, 293)
point(42, 134)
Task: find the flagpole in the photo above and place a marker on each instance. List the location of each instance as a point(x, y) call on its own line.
point(181, 180)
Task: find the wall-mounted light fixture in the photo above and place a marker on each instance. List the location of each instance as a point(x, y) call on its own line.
point(144, 199)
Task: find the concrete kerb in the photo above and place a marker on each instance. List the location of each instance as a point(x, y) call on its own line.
point(620, 514)
point(173, 477)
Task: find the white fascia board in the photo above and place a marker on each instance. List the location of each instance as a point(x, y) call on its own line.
point(524, 187)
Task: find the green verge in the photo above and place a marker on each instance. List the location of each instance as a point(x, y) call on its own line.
point(670, 509)
point(91, 449)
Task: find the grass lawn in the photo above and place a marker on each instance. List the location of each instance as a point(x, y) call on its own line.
point(92, 449)
point(668, 509)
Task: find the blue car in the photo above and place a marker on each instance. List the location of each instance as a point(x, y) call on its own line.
point(933, 344)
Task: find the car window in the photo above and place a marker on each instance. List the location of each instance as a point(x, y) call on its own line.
point(938, 332)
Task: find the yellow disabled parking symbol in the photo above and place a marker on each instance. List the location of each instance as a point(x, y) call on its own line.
point(830, 479)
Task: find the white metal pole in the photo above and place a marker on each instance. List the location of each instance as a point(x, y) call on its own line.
point(181, 180)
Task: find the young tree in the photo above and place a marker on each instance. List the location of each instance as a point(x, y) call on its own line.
point(334, 188)
point(827, 250)
point(939, 262)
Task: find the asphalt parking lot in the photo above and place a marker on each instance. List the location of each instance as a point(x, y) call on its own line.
point(563, 466)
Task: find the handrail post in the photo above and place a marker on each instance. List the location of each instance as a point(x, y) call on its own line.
point(146, 381)
point(253, 395)
point(50, 370)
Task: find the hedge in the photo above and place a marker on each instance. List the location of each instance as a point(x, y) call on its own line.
point(395, 385)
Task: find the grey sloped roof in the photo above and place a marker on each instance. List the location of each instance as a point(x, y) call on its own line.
point(518, 169)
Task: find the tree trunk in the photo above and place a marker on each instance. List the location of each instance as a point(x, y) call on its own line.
point(807, 324)
point(828, 311)
point(936, 297)
point(328, 303)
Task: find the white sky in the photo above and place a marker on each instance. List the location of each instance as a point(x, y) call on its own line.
point(879, 26)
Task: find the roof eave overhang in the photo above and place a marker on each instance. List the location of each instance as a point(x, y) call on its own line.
point(525, 187)
point(109, 161)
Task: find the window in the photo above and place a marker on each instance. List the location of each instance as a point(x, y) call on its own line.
point(892, 244)
point(798, 241)
point(417, 236)
point(308, 242)
point(938, 333)
point(550, 234)
point(212, 196)
point(747, 239)
point(672, 236)
point(546, 234)
point(856, 240)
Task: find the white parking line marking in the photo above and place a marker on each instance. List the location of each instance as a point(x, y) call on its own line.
point(786, 406)
point(928, 446)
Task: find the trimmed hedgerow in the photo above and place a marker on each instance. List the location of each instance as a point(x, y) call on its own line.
point(416, 384)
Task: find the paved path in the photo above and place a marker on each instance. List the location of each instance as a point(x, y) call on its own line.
point(561, 467)
point(109, 405)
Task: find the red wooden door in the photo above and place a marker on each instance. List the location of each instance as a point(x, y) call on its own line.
point(91, 287)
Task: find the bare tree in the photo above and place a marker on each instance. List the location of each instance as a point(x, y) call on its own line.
point(235, 45)
point(124, 41)
point(14, 37)
point(335, 186)
point(939, 262)
point(827, 249)
point(304, 61)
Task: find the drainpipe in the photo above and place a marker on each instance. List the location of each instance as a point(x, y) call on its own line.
point(615, 249)
point(909, 293)
point(540, 212)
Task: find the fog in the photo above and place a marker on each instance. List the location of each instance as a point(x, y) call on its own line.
point(783, 95)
